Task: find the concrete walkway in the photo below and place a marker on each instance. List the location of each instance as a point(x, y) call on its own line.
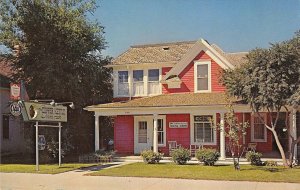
point(76, 180)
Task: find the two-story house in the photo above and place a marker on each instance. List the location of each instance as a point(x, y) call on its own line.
point(170, 92)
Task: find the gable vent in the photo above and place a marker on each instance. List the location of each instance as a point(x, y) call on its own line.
point(166, 48)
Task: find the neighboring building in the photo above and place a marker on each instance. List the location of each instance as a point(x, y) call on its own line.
point(170, 92)
point(11, 128)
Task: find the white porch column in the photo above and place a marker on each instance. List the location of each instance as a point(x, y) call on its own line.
point(222, 138)
point(155, 130)
point(294, 131)
point(96, 132)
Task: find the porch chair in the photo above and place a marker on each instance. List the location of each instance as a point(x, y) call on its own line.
point(251, 147)
point(173, 145)
point(194, 148)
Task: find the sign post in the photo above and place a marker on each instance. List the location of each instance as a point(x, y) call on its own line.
point(37, 146)
point(41, 112)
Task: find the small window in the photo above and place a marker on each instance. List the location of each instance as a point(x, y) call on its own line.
point(5, 124)
point(123, 76)
point(153, 75)
point(160, 131)
point(138, 75)
point(123, 86)
point(258, 129)
point(202, 77)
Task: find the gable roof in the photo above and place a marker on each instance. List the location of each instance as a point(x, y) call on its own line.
point(170, 52)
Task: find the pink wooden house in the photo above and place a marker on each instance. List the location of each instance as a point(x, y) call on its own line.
point(170, 92)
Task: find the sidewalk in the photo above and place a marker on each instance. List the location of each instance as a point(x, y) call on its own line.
point(74, 180)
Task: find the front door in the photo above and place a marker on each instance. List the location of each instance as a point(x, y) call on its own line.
point(143, 133)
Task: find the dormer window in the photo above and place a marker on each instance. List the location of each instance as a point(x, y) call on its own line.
point(202, 73)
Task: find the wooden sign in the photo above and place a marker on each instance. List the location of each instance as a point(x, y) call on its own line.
point(178, 125)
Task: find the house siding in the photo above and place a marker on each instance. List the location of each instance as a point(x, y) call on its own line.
point(187, 76)
point(124, 134)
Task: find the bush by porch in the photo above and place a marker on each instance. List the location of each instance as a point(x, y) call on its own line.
point(219, 172)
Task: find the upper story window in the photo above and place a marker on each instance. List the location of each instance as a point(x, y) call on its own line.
point(123, 87)
point(138, 82)
point(153, 80)
point(202, 73)
point(258, 129)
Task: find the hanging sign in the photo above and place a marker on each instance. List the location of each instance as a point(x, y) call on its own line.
point(41, 142)
point(34, 111)
point(178, 125)
point(15, 109)
point(15, 91)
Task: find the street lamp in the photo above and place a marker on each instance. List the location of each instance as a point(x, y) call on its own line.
point(70, 104)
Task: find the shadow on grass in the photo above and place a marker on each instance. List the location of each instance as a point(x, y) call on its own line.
point(96, 167)
point(273, 170)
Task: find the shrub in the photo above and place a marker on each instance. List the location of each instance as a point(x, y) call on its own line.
point(254, 158)
point(270, 163)
point(180, 155)
point(208, 156)
point(151, 157)
point(98, 156)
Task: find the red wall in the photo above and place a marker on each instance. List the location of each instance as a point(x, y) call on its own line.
point(187, 76)
point(182, 135)
point(124, 134)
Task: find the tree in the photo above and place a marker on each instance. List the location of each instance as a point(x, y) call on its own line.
point(269, 81)
point(58, 54)
point(234, 131)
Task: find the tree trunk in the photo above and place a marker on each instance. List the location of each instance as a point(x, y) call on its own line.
point(292, 152)
point(279, 147)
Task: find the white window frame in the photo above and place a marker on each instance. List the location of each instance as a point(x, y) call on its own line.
point(118, 82)
point(163, 117)
point(159, 83)
point(192, 134)
point(196, 63)
point(264, 115)
point(138, 82)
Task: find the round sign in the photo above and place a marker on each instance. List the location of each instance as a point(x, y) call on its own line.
point(15, 109)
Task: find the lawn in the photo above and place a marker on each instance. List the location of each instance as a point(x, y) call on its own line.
point(226, 172)
point(44, 168)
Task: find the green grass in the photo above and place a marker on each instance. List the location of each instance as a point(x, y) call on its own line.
point(43, 169)
point(169, 170)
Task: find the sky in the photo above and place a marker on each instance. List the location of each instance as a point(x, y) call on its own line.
point(234, 25)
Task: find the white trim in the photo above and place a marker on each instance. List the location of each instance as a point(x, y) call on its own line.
point(252, 129)
point(192, 128)
point(200, 45)
point(149, 118)
point(196, 63)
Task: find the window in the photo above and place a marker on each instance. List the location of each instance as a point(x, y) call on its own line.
point(123, 88)
point(160, 131)
point(138, 83)
point(5, 124)
point(258, 129)
point(142, 133)
point(202, 76)
point(153, 80)
point(203, 129)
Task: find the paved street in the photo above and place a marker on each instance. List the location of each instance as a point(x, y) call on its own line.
point(75, 180)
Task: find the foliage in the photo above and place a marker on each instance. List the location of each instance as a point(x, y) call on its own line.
point(56, 50)
point(254, 158)
point(151, 157)
point(270, 163)
point(234, 131)
point(208, 156)
point(98, 156)
point(269, 80)
point(181, 155)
